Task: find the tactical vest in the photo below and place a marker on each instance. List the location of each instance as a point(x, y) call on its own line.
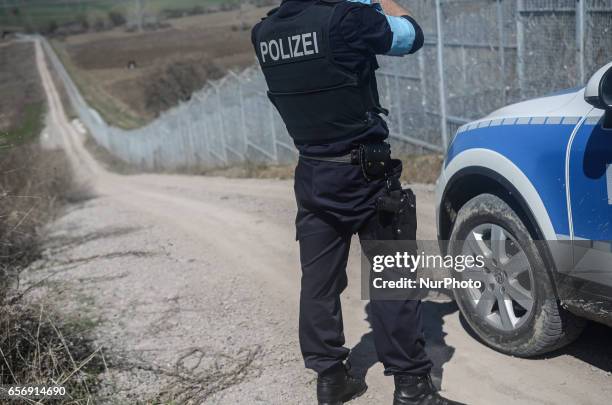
point(318, 100)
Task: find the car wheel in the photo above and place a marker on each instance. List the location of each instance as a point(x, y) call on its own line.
point(515, 310)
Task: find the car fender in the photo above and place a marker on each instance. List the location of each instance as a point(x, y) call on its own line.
point(507, 170)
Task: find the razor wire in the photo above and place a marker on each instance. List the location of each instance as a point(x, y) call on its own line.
point(479, 55)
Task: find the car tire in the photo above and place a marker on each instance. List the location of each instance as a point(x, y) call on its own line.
point(543, 325)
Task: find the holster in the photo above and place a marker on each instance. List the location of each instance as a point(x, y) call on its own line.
point(401, 204)
point(398, 205)
point(395, 232)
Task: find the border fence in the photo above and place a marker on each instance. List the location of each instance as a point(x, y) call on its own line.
point(479, 55)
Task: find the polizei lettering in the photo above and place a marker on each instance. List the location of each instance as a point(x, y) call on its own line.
point(291, 47)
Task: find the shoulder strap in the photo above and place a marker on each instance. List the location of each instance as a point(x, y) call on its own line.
point(270, 13)
point(274, 10)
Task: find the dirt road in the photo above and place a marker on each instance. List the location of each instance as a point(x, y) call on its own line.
point(194, 281)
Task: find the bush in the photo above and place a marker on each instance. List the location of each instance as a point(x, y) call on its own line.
point(51, 27)
point(116, 18)
point(99, 24)
point(34, 183)
point(177, 82)
point(83, 21)
point(197, 10)
point(39, 348)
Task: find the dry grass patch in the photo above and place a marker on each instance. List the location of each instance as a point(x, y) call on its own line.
point(421, 169)
point(37, 345)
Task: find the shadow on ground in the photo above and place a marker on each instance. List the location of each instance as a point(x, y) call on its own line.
point(62, 243)
point(592, 347)
point(363, 356)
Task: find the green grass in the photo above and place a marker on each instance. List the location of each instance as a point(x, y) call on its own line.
point(31, 126)
point(38, 14)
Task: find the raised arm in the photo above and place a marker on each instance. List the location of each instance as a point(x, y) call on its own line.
point(364, 28)
point(407, 34)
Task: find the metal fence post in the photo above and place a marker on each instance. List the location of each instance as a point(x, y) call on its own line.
point(388, 94)
point(502, 50)
point(400, 116)
point(464, 75)
point(272, 123)
point(520, 47)
point(245, 135)
point(442, 86)
point(205, 131)
point(189, 134)
point(580, 14)
point(423, 87)
point(219, 114)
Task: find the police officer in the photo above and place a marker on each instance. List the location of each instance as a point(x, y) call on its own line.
point(319, 61)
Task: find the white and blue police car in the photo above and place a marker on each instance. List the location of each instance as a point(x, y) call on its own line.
point(529, 188)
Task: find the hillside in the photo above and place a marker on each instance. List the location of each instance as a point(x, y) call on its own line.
point(131, 77)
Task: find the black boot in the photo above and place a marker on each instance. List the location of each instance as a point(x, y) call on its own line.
point(418, 390)
point(338, 386)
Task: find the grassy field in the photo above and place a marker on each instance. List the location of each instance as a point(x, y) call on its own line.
point(41, 13)
point(171, 63)
point(93, 88)
point(22, 103)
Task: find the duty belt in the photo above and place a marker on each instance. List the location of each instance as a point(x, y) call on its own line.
point(350, 158)
point(374, 159)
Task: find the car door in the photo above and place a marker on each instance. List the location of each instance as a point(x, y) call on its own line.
point(589, 180)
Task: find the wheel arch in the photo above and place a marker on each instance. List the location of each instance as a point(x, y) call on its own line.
point(472, 181)
point(496, 172)
point(478, 171)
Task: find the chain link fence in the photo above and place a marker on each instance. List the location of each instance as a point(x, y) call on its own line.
point(479, 55)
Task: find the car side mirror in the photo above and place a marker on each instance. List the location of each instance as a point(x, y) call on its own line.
point(598, 92)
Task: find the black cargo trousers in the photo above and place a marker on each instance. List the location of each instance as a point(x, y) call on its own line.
point(334, 202)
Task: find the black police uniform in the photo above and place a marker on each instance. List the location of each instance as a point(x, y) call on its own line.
point(319, 61)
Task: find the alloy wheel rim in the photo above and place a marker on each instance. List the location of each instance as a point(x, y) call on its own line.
point(505, 299)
